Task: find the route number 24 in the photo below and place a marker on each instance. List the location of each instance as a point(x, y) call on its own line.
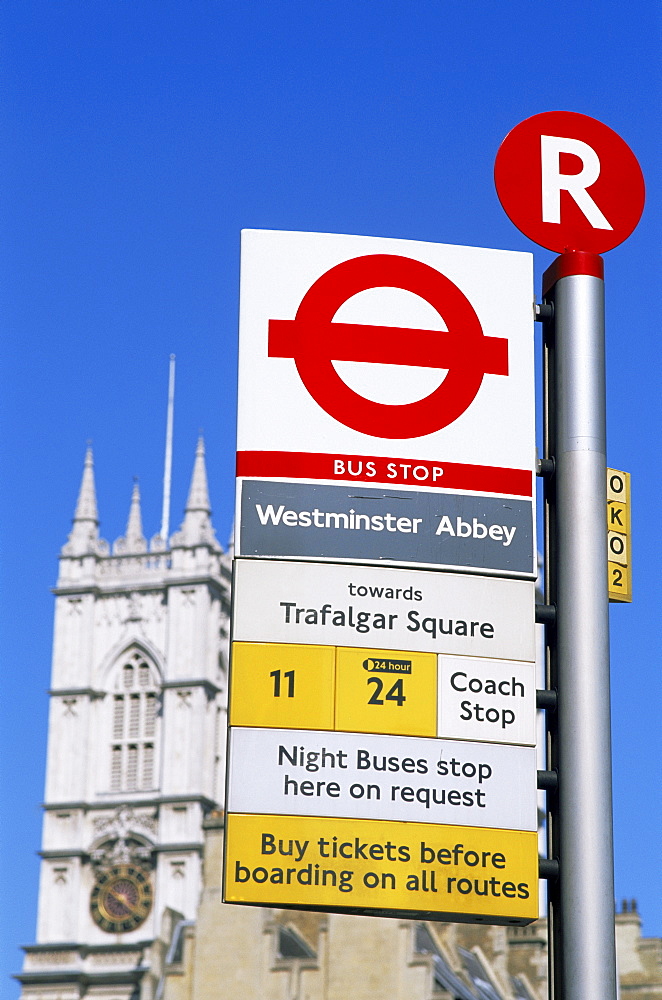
point(395, 693)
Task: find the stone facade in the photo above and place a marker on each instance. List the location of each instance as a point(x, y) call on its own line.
point(638, 959)
point(136, 744)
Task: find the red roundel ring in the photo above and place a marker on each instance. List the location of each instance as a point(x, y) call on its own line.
point(468, 352)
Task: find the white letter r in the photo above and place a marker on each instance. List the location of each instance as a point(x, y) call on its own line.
point(553, 181)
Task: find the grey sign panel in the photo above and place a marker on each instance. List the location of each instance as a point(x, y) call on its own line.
point(357, 523)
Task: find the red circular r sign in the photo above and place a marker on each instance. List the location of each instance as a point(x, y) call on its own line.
point(568, 182)
point(314, 341)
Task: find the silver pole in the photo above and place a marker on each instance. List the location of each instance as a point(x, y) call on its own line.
point(584, 822)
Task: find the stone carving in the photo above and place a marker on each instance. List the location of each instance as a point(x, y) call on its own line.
point(124, 843)
point(134, 613)
point(178, 869)
point(108, 610)
point(130, 959)
point(54, 957)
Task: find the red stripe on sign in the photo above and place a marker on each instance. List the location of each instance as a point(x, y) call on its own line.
point(378, 469)
point(388, 345)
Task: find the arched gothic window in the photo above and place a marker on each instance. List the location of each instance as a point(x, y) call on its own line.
point(134, 726)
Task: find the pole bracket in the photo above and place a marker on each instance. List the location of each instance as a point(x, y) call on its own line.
point(544, 311)
point(546, 614)
point(548, 868)
point(548, 781)
point(547, 699)
point(545, 468)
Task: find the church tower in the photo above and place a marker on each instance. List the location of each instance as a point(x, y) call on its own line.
point(135, 748)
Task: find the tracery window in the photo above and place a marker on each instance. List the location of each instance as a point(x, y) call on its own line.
point(134, 727)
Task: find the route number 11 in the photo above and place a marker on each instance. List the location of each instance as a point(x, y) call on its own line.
point(289, 675)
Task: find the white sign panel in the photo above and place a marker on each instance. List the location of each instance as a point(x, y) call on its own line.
point(386, 361)
point(334, 604)
point(481, 699)
point(360, 776)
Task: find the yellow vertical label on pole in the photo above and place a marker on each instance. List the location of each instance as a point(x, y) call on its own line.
point(386, 691)
point(406, 868)
point(275, 685)
point(619, 536)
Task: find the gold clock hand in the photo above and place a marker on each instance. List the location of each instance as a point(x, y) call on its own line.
point(121, 898)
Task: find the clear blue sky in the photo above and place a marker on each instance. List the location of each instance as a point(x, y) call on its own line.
point(137, 139)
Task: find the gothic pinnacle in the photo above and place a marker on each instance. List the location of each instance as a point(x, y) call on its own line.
point(196, 527)
point(135, 540)
point(84, 537)
point(198, 495)
point(86, 507)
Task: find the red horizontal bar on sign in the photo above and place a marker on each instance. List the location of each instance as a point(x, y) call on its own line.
point(388, 471)
point(391, 345)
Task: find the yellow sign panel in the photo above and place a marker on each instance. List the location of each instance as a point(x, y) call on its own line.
point(619, 536)
point(386, 691)
point(450, 871)
point(282, 686)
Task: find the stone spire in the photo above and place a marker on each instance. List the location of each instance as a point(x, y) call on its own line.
point(86, 507)
point(134, 540)
point(196, 528)
point(198, 494)
point(84, 537)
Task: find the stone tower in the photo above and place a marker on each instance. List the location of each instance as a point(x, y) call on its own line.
point(135, 747)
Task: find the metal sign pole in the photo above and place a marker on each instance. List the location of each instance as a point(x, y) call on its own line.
point(580, 217)
point(585, 959)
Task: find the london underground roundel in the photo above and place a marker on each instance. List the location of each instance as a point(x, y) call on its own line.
point(569, 182)
point(314, 341)
point(350, 344)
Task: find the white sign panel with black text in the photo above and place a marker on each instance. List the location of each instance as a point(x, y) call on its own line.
point(365, 776)
point(335, 604)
